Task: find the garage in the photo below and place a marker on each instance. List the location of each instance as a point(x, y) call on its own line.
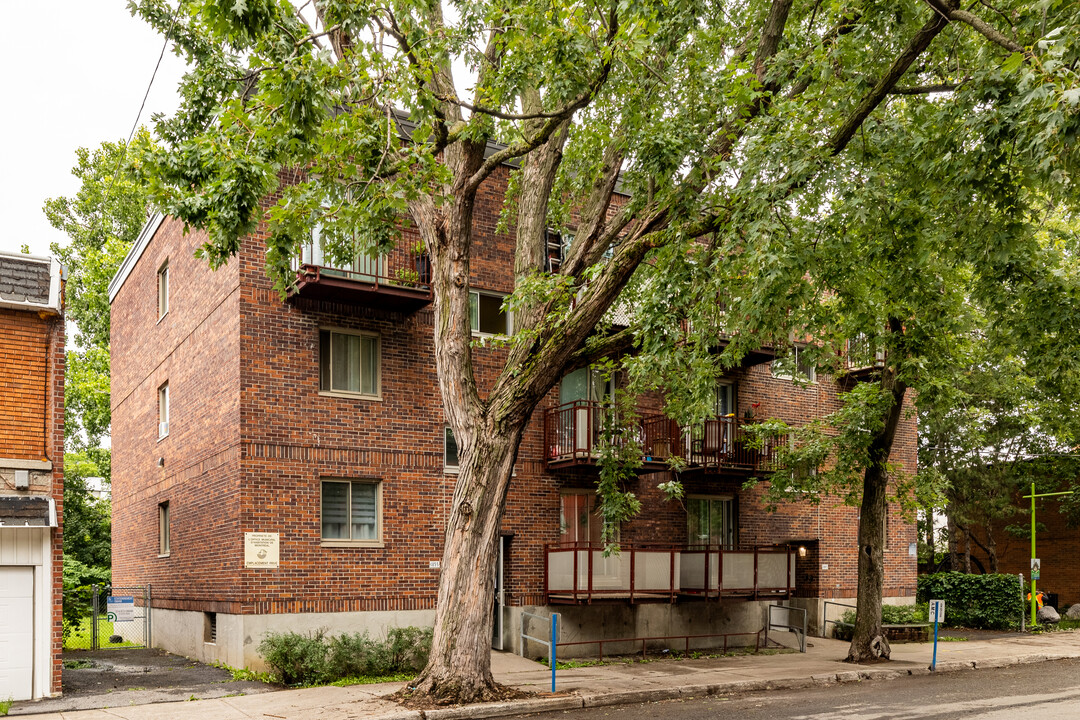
point(16, 632)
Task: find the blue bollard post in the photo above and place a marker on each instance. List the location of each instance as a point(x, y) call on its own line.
point(554, 635)
point(933, 661)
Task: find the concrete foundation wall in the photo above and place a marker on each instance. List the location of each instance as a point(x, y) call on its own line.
point(238, 636)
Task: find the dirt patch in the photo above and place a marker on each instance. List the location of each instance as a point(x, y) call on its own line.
point(406, 698)
point(112, 678)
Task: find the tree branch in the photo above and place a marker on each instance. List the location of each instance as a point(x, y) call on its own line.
point(985, 29)
point(926, 89)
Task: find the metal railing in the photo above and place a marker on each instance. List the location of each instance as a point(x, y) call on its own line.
point(798, 628)
point(573, 430)
point(399, 269)
point(825, 616)
point(582, 572)
point(665, 639)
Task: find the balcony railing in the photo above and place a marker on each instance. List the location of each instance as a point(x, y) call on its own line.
point(573, 433)
point(579, 572)
point(400, 280)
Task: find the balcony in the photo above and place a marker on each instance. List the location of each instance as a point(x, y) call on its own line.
point(862, 362)
point(722, 446)
point(579, 573)
point(398, 281)
point(573, 431)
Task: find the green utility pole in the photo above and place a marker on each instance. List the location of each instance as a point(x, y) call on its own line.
point(1033, 555)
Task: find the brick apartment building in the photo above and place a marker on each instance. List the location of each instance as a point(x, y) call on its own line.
point(1056, 544)
point(31, 475)
point(286, 465)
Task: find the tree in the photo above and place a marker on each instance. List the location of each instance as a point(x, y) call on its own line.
point(87, 532)
point(102, 221)
point(717, 118)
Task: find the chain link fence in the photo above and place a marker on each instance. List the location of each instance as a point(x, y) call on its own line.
point(98, 617)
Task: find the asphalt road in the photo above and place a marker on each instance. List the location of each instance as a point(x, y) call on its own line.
point(1040, 691)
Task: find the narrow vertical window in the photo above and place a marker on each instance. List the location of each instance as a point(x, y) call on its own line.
point(163, 290)
point(163, 529)
point(451, 463)
point(163, 411)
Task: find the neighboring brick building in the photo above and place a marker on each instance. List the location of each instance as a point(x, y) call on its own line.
point(1056, 545)
point(31, 475)
point(286, 465)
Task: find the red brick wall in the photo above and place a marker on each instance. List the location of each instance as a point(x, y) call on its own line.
point(195, 347)
point(24, 364)
point(1056, 546)
point(286, 437)
point(55, 452)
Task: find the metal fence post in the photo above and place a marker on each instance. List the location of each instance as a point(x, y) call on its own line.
point(554, 640)
point(94, 619)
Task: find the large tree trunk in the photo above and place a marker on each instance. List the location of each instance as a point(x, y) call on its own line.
point(459, 669)
point(868, 642)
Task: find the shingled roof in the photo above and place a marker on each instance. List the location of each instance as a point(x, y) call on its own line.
point(29, 281)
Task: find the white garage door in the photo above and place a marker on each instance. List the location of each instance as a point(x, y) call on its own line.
point(16, 632)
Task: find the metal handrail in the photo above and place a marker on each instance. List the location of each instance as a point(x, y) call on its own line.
point(825, 616)
point(664, 638)
point(799, 630)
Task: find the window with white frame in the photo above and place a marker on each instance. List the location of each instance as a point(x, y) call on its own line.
point(163, 411)
point(486, 316)
point(163, 290)
point(349, 363)
point(794, 367)
point(451, 464)
point(164, 545)
point(352, 511)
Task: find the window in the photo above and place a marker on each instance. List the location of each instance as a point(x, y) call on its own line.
point(163, 529)
point(486, 316)
point(163, 290)
point(163, 410)
point(450, 451)
point(349, 363)
point(351, 511)
point(794, 367)
point(711, 521)
point(210, 627)
point(558, 245)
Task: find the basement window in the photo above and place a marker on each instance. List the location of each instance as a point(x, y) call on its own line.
point(210, 627)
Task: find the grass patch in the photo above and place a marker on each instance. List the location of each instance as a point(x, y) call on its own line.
point(950, 638)
point(81, 637)
point(245, 675)
point(373, 679)
point(5, 706)
point(78, 664)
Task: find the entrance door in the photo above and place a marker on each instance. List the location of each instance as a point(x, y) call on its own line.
point(16, 633)
point(500, 596)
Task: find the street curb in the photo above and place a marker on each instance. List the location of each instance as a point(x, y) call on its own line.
point(740, 686)
point(503, 709)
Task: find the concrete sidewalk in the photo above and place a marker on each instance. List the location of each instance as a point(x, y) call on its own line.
point(609, 684)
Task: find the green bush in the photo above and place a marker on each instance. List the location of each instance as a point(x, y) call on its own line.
point(890, 615)
point(296, 659)
point(317, 659)
point(975, 601)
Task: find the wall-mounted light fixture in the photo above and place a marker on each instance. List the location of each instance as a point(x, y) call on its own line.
point(161, 462)
point(802, 551)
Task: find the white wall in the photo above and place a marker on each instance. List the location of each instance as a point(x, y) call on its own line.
point(31, 546)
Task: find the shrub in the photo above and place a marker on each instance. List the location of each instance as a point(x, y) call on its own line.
point(316, 659)
point(890, 615)
point(296, 659)
point(976, 601)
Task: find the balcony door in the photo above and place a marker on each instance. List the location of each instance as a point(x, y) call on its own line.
point(362, 267)
point(581, 522)
point(712, 521)
point(593, 392)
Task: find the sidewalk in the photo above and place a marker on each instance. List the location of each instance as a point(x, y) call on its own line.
point(609, 684)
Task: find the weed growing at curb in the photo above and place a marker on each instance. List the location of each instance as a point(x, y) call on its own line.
point(5, 705)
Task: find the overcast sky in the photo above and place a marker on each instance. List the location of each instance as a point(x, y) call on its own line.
point(74, 74)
